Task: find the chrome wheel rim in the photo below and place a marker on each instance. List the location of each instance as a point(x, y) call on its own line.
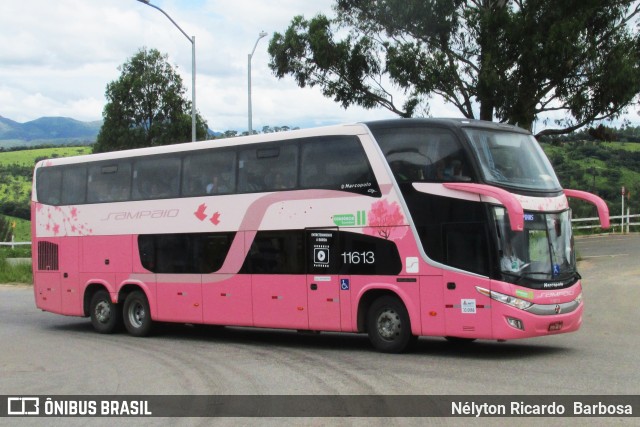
point(103, 311)
point(389, 324)
point(137, 314)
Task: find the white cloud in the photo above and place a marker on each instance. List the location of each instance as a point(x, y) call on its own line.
point(58, 56)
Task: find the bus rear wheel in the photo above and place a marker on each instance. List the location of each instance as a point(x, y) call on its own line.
point(105, 315)
point(136, 314)
point(389, 326)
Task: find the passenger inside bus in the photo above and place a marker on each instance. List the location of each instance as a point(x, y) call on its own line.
point(455, 171)
point(316, 175)
point(216, 186)
point(278, 181)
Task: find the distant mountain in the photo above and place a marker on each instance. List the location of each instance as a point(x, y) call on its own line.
point(47, 130)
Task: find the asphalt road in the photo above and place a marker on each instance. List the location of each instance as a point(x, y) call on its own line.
point(43, 353)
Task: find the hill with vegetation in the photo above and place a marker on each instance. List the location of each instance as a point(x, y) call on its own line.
point(601, 168)
point(584, 161)
point(47, 131)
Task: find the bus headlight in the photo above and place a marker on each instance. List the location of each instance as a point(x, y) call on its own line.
point(505, 299)
point(579, 299)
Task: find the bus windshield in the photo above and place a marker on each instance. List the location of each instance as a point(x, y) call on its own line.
point(512, 159)
point(542, 255)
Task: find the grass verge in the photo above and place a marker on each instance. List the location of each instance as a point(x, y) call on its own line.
point(19, 273)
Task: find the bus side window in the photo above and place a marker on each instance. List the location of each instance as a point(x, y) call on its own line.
point(466, 247)
point(424, 155)
point(188, 253)
point(49, 186)
point(320, 164)
point(336, 163)
point(276, 252)
point(211, 249)
point(156, 178)
point(268, 168)
point(209, 172)
point(74, 186)
point(109, 182)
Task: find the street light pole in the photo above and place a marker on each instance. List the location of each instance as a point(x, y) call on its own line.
point(192, 40)
point(261, 35)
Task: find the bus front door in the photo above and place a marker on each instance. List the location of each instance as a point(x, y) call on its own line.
point(323, 281)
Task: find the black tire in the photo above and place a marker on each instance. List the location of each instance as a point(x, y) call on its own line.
point(389, 326)
point(136, 314)
point(106, 316)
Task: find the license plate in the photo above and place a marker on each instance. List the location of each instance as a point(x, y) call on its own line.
point(555, 326)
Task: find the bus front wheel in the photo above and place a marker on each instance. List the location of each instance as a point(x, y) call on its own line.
point(105, 315)
point(137, 316)
point(389, 326)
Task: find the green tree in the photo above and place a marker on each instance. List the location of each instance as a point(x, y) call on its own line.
point(275, 129)
point(5, 229)
point(508, 60)
point(146, 106)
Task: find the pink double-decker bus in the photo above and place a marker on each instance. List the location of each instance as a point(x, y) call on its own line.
point(398, 229)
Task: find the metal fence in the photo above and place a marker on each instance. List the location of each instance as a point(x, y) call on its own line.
point(14, 244)
point(619, 223)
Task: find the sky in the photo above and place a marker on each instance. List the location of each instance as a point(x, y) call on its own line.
point(58, 56)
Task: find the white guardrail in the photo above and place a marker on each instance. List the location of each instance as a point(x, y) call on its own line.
point(12, 244)
point(622, 223)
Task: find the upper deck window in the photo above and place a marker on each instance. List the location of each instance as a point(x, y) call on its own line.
point(48, 185)
point(156, 178)
point(324, 162)
point(512, 159)
point(209, 172)
point(109, 182)
point(267, 167)
point(423, 154)
point(74, 185)
point(337, 163)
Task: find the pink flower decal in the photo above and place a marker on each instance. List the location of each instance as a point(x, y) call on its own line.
point(386, 220)
point(61, 221)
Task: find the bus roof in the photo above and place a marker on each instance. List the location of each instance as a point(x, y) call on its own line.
point(451, 123)
point(343, 129)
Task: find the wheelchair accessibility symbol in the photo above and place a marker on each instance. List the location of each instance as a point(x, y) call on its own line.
point(344, 284)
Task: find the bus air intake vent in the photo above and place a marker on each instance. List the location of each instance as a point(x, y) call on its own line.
point(47, 256)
